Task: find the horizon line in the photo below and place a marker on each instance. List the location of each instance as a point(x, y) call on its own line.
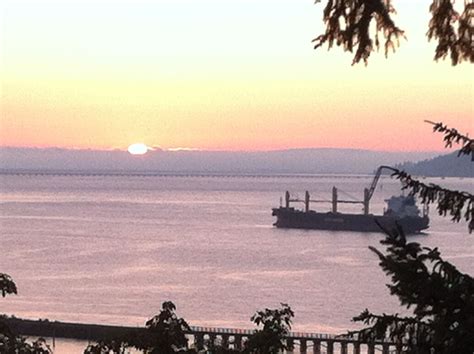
point(187, 149)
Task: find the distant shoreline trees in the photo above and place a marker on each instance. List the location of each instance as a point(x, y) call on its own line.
point(441, 166)
point(451, 136)
point(457, 204)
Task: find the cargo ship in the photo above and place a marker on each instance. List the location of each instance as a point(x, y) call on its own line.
point(401, 210)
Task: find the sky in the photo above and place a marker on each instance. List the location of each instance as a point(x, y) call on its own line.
point(216, 75)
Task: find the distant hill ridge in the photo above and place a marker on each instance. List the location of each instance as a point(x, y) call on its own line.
point(292, 161)
point(450, 165)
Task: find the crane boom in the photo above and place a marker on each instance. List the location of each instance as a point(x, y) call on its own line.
point(368, 193)
point(371, 189)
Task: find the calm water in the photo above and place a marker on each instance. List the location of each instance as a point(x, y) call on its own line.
point(110, 250)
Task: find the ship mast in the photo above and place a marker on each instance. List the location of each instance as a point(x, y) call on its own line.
point(368, 193)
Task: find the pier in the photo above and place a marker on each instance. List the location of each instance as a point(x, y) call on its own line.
point(231, 338)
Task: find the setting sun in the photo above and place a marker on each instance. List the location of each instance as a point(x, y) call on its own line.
point(137, 149)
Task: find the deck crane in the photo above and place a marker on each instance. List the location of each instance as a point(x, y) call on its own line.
point(401, 212)
point(369, 192)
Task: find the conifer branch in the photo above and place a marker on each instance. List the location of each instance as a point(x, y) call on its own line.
point(458, 43)
point(451, 136)
point(448, 201)
point(348, 24)
point(442, 299)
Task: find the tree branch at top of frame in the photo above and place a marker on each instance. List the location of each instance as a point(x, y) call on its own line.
point(349, 24)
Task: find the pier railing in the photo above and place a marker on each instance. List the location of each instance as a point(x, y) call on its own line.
point(303, 342)
point(202, 337)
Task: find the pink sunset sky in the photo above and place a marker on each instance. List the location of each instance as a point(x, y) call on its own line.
point(216, 75)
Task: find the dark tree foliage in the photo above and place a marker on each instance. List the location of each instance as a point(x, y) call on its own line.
point(212, 348)
point(456, 204)
point(165, 333)
point(10, 343)
point(451, 136)
point(457, 44)
point(40, 347)
point(441, 297)
point(7, 285)
point(271, 339)
point(106, 347)
point(349, 24)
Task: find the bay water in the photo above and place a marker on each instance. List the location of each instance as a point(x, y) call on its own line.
point(110, 249)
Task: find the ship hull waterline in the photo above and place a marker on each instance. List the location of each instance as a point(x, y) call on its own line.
point(296, 219)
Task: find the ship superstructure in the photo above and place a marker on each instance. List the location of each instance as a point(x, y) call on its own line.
point(401, 210)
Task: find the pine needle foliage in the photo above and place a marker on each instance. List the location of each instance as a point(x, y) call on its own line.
point(349, 25)
point(440, 296)
point(458, 44)
point(456, 204)
point(451, 135)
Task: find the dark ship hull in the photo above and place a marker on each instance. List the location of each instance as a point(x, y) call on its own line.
point(297, 219)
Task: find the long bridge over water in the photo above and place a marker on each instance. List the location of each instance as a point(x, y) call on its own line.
point(231, 338)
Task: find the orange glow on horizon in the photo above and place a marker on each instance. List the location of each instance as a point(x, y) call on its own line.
point(258, 86)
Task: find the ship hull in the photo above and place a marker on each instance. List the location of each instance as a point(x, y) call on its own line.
point(297, 219)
